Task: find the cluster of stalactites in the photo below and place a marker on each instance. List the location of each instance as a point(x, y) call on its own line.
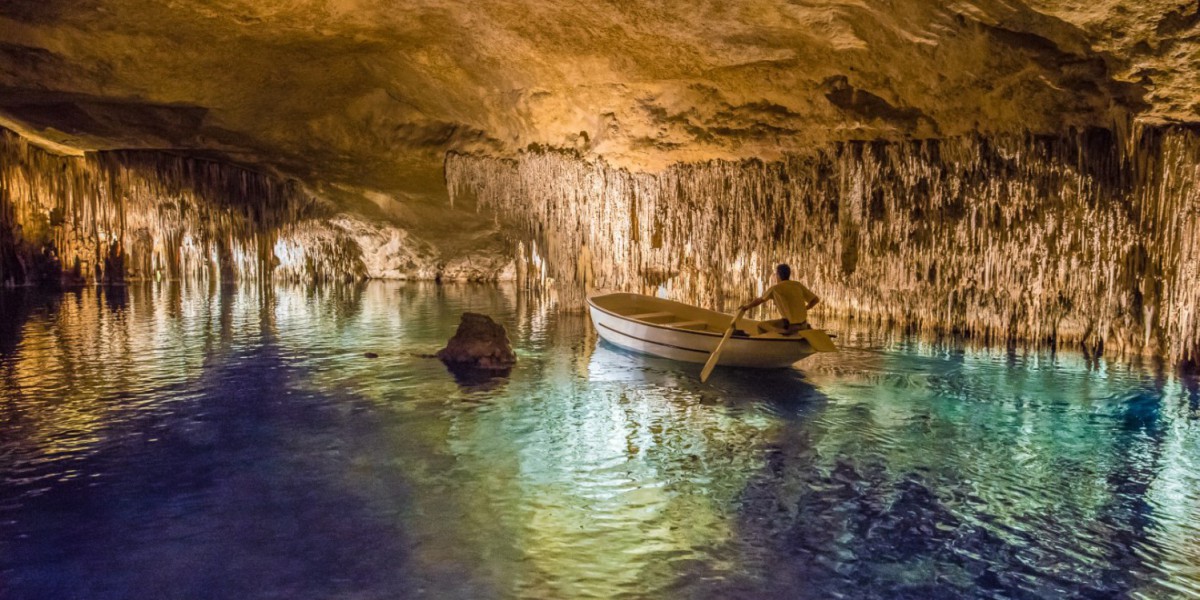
point(1084, 238)
point(118, 216)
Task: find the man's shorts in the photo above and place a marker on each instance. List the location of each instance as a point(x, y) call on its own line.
point(783, 326)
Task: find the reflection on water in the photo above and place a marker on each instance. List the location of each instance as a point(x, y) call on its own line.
point(184, 441)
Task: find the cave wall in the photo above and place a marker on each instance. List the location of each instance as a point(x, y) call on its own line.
point(119, 216)
point(1091, 237)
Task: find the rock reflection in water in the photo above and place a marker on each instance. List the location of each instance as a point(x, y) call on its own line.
point(472, 378)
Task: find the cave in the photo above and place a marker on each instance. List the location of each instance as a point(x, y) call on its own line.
point(234, 235)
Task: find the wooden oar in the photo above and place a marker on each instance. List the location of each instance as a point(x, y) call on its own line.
point(819, 340)
point(712, 359)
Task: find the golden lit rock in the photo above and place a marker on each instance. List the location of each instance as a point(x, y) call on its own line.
point(372, 94)
point(923, 160)
point(1081, 239)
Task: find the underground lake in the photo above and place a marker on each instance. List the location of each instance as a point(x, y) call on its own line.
point(184, 441)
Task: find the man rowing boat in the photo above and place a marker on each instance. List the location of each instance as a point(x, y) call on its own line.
point(792, 298)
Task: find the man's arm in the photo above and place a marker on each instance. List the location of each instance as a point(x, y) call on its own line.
point(813, 299)
point(751, 304)
point(755, 302)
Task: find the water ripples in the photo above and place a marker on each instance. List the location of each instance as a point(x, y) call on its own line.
point(164, 437)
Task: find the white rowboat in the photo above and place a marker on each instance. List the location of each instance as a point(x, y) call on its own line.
point(689, 333)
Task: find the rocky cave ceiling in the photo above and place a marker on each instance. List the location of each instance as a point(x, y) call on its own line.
point(364, 97)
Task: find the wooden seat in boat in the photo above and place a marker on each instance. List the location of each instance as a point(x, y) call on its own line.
point(650, 315)
point(686, 324)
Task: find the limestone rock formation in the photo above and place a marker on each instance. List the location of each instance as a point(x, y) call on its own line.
point(135, 215)
point(125, 216)
point(479, 343)
point(369, 94)
point(1074, 239)
point(1021, 169)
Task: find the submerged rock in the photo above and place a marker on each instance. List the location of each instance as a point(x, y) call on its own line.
point(479, 343)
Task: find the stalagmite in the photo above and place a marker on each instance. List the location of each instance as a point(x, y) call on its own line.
point(1085, 238)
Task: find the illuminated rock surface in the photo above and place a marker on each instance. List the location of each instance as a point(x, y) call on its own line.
point(370, 94)
point(1050, 239)
point(120, 216)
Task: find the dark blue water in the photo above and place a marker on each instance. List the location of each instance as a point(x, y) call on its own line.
point(233, 442)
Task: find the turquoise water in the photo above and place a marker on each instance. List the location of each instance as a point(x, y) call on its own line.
point(173, 441)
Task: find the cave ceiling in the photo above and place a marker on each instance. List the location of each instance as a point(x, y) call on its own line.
point(365, 97)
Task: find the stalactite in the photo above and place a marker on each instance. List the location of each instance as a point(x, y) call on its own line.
point(1085, 238)
point(116, 216)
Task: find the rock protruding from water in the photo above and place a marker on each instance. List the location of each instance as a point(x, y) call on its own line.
point(479, 343)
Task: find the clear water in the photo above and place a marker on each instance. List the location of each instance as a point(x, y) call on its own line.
point(195, 442)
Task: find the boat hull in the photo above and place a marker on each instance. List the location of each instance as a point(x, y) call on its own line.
point(697, 346)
